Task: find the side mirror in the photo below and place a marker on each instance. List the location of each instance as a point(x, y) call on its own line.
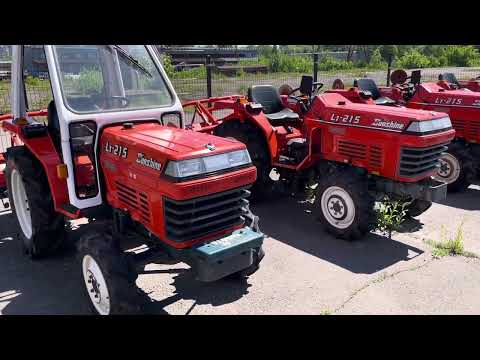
point(306, 85)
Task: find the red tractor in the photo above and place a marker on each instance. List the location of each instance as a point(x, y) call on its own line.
point(114, 151)
point(357, 153)
point(460, 165)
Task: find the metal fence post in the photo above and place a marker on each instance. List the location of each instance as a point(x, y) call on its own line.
point(315, 67)
point(209, 76)
point(389, 69)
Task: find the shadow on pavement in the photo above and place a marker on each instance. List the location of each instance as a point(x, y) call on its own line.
point(286, 220)
point(49, 286)
point(219, 293)
point(53, 286)
point(467, 200)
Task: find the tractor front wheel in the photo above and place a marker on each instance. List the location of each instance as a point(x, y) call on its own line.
point(452, 169)
point(344, 205)
point(108, 275)
point(42, 230)
point(256, 145)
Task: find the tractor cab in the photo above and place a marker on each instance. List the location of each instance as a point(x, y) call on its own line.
point(92, 87)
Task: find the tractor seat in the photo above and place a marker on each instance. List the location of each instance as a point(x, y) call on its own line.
point(449, 77)
point(367, 84)
point(273, 108)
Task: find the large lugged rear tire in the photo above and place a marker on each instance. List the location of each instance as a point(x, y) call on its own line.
point(42, 230)
point(108, 275)
point(343, 204)
point(453, 168)
point(253, 138)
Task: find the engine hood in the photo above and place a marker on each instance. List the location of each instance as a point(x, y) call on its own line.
point(432, 93)
point(169, 142)
point(335, 108)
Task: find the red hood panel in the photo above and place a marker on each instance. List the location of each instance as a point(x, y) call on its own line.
point(433, 93)
point(332, 102)
point(174, 143)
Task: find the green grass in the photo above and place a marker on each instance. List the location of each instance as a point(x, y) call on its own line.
point(450, 246)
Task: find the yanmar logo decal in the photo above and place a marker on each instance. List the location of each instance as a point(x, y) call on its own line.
point(148, 162)
point(385, 124)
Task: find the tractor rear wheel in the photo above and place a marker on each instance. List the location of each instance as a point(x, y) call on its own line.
point(343, 204)
point(42, 230)
point(108, 275)
point(253, 138)
point(453, 170)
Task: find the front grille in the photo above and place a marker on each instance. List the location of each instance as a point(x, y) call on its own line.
point(474, 129)
point(352, 150)
point(418, 161)
point(189, 219)
point(134, 200)
point(376, 156)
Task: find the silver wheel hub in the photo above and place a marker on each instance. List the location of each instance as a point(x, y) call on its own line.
point(96, 285)
point(338, 207)
point(449, 170)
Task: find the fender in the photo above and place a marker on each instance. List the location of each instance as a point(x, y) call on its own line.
point(43, 149)
point(261, 122)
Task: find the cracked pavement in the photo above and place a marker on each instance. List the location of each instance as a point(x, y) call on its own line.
point(305, 271)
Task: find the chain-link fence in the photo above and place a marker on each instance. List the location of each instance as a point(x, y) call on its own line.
point(236, 79)
point(217, 78)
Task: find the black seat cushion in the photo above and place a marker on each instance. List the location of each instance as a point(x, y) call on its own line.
point(282, 115)
point(367, 84)
point(270, 99)
point(54, 124)
point(449, 77)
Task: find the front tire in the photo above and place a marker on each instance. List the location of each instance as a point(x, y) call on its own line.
point(108, 276)
point(344, 206)
point(452, 169)
point(258, 150)
point(42, 229)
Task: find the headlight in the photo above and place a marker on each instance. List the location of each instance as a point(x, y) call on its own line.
point(430, 125)
point(207, 164)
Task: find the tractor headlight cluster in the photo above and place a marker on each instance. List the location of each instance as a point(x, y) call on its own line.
point(207, 164)
point(430, 125)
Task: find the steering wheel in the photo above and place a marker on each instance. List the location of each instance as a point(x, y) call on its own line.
point(125, 101)
point(317, 85)
point(107, 100)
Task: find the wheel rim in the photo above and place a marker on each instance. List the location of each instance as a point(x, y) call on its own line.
point(338, 207)
point(96, 285)
point(20, 200)
point(449, 170)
